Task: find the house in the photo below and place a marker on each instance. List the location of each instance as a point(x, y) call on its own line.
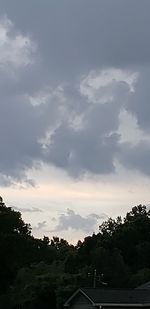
point(87, 298)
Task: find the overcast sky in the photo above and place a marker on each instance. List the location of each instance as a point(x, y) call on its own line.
point(74, 111)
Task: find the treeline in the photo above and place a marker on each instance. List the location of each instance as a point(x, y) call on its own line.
point(41, 273)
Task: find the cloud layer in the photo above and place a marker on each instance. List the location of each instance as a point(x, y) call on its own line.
point(65, 84)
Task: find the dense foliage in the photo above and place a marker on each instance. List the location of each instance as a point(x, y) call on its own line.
point(41, 273)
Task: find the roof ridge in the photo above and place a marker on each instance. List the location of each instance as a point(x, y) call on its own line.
point(108, 288)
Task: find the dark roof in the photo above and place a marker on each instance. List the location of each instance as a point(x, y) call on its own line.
point(138, 296)
point(117, 296)
point(113, 296)
point(145, 286)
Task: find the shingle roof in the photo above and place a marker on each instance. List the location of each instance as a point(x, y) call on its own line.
point(145, 286)
point(117, 296)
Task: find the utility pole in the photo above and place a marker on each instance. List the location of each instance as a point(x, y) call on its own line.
point(96, 278)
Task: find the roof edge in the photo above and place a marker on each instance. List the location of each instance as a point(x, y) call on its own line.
point(76, 293)
point(122, 304)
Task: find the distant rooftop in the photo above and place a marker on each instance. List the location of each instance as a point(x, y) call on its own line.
point(118, 296)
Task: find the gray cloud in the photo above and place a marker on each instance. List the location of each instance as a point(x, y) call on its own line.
point(81, 152)
point(86, 141)
point(22, 125)
point(33, 209)
point(61, 96)
point(85, 33)
point(77, 222)
point(40, 226)
point(42, 126)
point(5, 181)
point(139, 101)
point(136, 157)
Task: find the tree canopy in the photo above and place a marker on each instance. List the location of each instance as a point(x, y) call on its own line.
point(39, 273)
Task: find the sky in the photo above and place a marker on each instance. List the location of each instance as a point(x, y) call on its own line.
point(74, 111)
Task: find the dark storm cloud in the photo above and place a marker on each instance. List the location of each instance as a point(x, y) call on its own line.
point(78, 222)
point(49, 110)
point(139, 103)
point(77, 36)
point(27, 119)
point(21, 125)
point(81, 152)
point(136, 157)
point(89, 146)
